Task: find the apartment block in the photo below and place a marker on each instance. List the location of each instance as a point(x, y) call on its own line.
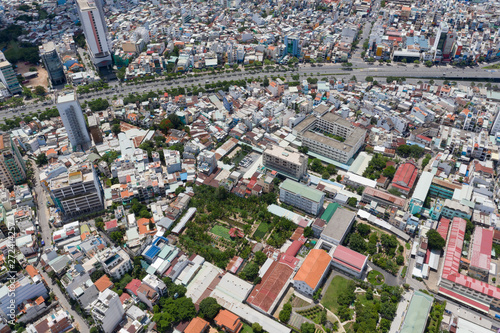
point(9, 78)
point(330, 136)
point(285, 161)
point(107, 310)
point(77, 193)
point(73, 120)
point(12, 166)
point(302, 197)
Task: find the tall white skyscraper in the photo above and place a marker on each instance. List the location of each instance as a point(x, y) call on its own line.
point(95, 30)
point(73, 120)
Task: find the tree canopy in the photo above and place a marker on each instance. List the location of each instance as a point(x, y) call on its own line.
point(435, 240)
point(209, 308)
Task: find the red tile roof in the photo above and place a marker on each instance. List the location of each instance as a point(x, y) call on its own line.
point(133, 286)
point(481, 248)
point(451, 267)
point(405, 176)
point(265, 293)
point(294, 248)
point(349, 258)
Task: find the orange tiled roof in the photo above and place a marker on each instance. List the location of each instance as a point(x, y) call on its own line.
point(313, 267)
point(227, 319)
point(103, 283)
point(32, 271)
point(197, 325)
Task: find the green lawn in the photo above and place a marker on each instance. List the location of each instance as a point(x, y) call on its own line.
point(246, 329)
point(221, 231)
point(262, 230)
point(403, 272)
point(375, 278)
point(495, 66)
point(331, 295)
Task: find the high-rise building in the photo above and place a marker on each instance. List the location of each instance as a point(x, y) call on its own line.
point(12, 166)
point(292, 46)
point(52, 63)
point(77, 193)
point(73, 120)
point(95, 30)
point(107, 310)
point(9, 77)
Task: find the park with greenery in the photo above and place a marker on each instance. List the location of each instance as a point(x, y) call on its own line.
point(374, 308)
point(383, 250)
point(219, 210)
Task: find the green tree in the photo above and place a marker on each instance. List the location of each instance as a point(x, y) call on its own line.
point(352, 201)
point(389, 171)
point(369, 79)
point(209, 308)
point(308, 232)
point(363, 229)
point(435, 240)
point(260, 258)
point(256, 328)
point(285, 312)
point(40, 91)
point(307, 328)
point(41, 159)
point(357, 243)
point(116, 128)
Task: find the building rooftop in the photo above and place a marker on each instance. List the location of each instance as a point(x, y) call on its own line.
point(423, 185)
point(303, 190)
point(339, 224)
point(416, 315)
point(481, 248)
point(69, 97)
point(313, 267)
point(349, 258)
point(274, 280)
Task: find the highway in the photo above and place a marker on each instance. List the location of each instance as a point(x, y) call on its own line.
point(361, 70)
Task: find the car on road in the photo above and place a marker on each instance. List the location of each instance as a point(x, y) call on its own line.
point(43, 243)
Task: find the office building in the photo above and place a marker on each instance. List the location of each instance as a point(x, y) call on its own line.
point(286, 161)
point(107, 310)
point(77, 193)
point(9, 78)
point(292, 46)
point(330, 136)
point(12, 166)
point(95, 30)
point(302, 197)
point(52, 63)
point(73, 120)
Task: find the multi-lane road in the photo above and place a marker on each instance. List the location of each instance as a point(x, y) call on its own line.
point(361, 70)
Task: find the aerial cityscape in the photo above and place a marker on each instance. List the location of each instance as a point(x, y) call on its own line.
point(242, 166)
